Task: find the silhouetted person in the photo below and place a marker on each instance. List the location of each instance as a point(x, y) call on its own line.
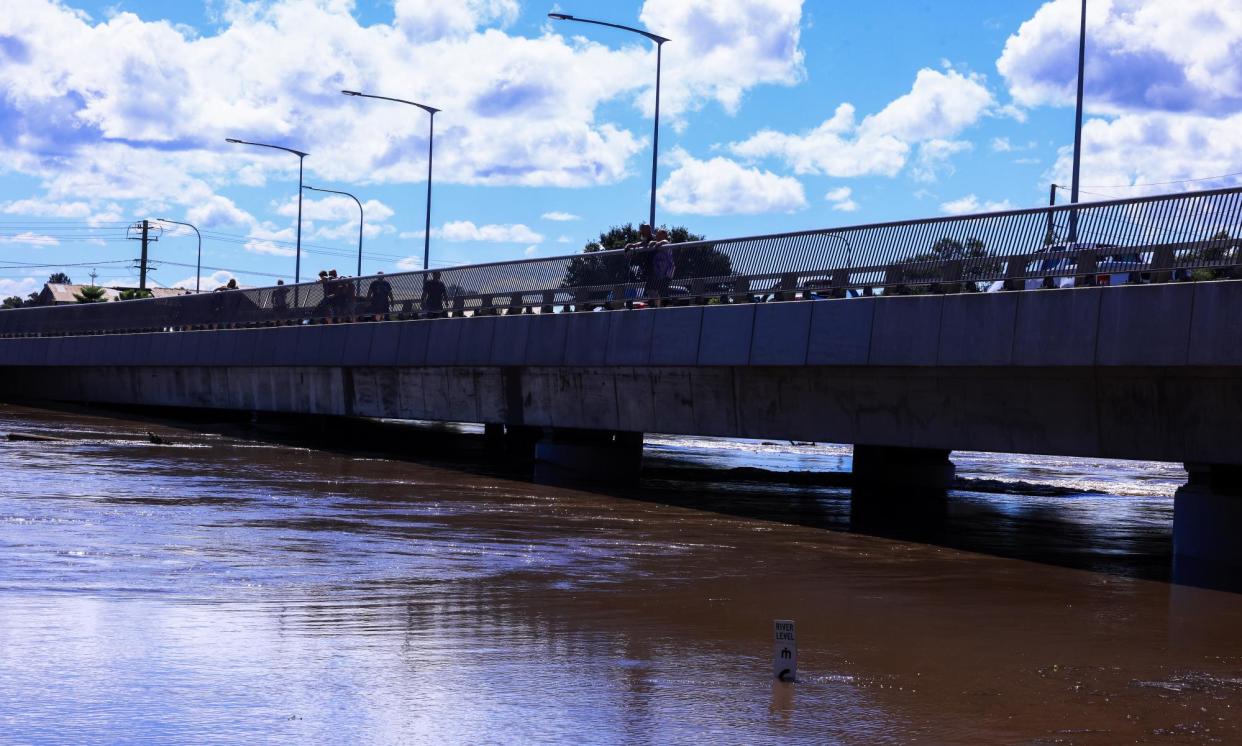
point(379, 296)
point(434, 295)
point(280, 299)
point(660, 268)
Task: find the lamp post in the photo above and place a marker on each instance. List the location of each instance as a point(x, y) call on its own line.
point(1082, 59)
point(655, 139)
point(297, 263)
point(361, 218)
point(198, 267)
point(431, 136)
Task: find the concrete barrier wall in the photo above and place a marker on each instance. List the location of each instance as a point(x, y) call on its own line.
point(1179, 324)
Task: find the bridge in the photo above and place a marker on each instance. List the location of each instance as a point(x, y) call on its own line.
point(909, 340)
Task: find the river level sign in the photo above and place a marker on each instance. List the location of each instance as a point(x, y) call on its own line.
point(785, 650)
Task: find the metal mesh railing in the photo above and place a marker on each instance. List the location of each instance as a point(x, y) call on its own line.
point(1149, 239)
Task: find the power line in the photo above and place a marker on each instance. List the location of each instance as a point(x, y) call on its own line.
point(1152, 183)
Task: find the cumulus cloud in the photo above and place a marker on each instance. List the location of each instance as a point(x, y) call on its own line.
point(938, 106)
point(720, 186)
point(465, 230)
point(21, 287)
point(935, 158)
point(722, 48)
point(1163, 89)
point(28, 238)
point(430, 20)
point(560, 217)
point(972, 204)
point(1154, 151)
point(138, 110)
point(1142, 55)
point(841, 199)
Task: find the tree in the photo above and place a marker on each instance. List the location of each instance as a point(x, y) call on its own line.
point(32, 299)
point(59, 278)
point(91, 294)
point(977, 260)
point(1225, 252)
point(586, 270)
point(134, 294)
point(13, 301)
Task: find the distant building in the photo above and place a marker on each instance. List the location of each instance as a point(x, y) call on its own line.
point(56, 294)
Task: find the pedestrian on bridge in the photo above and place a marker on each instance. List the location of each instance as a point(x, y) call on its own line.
point(434, 295)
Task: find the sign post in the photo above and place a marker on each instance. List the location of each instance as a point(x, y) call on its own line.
point(785, 651)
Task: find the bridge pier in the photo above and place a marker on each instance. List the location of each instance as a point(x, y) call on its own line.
point(1207, 526)
point(881, 467)
point(564, 455)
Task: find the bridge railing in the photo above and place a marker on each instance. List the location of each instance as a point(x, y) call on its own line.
point(1149, 239)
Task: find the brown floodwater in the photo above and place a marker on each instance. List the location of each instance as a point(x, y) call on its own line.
point(209, 588)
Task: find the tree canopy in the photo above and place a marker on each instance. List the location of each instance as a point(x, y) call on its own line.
point(699, 261)
point(91, 294)
point(59, 278)
point(13, 301)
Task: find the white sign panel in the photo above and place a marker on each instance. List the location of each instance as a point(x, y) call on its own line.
point(785, 651)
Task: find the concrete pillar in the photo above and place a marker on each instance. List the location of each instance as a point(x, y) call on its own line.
point(494, 437)
point(892, 466)
point(600, 456)
point(1207, 527)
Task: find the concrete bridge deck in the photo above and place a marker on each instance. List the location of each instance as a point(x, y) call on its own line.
point(1137, 372)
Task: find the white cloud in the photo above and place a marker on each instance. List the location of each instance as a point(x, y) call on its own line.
point(1163, 89)
point(48, 209)
point(564, 239)
point(530, 250)
point(431, 20)
point(207, 282)
point(410, 263)
point(1142, 55)
point(722, 48)
point(1153, 149)
point(21, 288)
point(723, 187)
point(560, 217)
point(934, 158)
point(939, 105)
point(1001, 145)
point(218, 212)
point(465, 230)
point(30, 239)
point(971, 204)
point(138, 110)
point(841, 199)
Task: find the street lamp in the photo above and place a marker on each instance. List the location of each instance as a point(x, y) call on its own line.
point(198, 267)
point(655, 139)
point(361, 218)
point(297, 264)
point(431, 135)
point(1082, 58)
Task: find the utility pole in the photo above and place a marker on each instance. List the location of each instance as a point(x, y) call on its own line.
point(1052, 202)
point(142, 273)
point(146, 235)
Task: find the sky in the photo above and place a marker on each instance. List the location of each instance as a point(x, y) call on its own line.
point(775, 115)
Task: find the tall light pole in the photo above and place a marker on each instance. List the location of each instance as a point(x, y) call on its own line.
point(1082, 59)
point(361, 218)
point(297, 263)
point(431, 136)
point(198, 267)
point(655, 139)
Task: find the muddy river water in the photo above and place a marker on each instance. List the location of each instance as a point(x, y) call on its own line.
point(207, 588)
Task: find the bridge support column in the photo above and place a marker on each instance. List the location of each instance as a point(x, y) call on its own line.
point(589, 456)
point(1207, 526)
point(897, 467)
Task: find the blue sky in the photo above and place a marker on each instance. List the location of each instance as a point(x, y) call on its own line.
point(776, 115)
